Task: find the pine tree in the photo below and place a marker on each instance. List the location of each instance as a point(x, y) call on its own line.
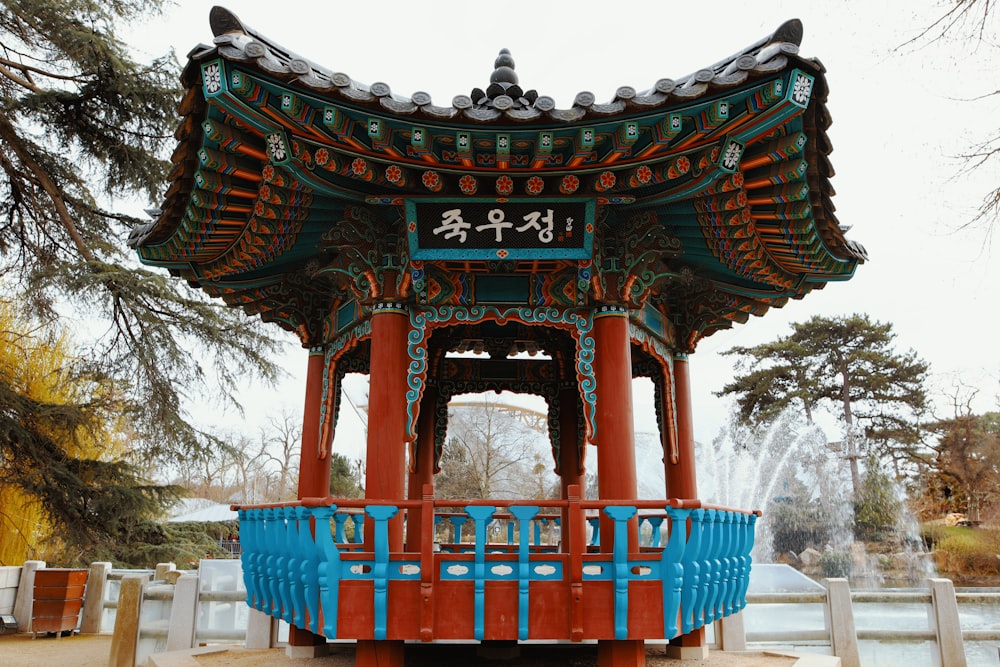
point(845, 362)
point(83, 126)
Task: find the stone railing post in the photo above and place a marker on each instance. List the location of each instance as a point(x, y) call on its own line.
point(840, 620)
point(260, 630)
point(125, 639)
point(93, 603)
point(730, 633)
point(26, 594)
point(944, 614)
point(183, 613)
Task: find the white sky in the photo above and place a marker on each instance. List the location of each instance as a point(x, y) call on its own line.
point(900, 117)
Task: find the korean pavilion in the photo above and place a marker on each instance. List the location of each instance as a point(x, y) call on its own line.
point(605, 239)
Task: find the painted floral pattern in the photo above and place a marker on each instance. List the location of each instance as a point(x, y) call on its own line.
point(276, 147)
point(431, 180)
point(569, 184)
point(393, 173)
point(467, 184)
point(644, 174)
point(359, 167)
point(322, 156)
point(213, 78)
point(535, 185)
point(606, 181)
point(505, 185)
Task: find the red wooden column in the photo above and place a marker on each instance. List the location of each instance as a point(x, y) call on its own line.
point(615, 451)
point(570, 472)
point(681, 479)
point(682, 482)
point(421, 467)
point(386, 461)
point(314, 479)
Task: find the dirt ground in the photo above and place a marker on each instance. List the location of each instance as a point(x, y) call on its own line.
point(21, 650)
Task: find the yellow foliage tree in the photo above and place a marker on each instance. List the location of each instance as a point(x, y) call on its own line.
point(44, 399)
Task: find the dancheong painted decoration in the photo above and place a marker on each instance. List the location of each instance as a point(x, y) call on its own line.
point(605, 240)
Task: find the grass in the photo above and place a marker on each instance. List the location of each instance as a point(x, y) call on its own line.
point(964, 551)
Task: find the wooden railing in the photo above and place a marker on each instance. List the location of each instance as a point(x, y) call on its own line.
point(299, 566)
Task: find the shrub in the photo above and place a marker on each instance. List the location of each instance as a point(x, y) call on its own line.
point(835, 564)
point(796, 525)
point(967, 550)
point(876, 509)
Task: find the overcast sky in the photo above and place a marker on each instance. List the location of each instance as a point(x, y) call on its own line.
point(901, 116)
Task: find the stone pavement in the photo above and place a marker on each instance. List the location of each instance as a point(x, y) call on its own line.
point(21, 650)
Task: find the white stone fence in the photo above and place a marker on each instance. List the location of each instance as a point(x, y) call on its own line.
point(151, 611)
point(166, 610)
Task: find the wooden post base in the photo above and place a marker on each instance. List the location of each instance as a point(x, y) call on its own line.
point(621, 653)
point(378, 653)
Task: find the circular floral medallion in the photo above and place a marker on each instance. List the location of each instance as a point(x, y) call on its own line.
point(468, 184)
point(569, 184)
point(431, 180)
point(505, 185)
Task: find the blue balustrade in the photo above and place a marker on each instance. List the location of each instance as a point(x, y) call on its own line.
point(295, 556)
point(524, 514)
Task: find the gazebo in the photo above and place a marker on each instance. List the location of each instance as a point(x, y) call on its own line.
point(606, 240)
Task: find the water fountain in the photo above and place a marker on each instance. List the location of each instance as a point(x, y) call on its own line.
point(794, 473)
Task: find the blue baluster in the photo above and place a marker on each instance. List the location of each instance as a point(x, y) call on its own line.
point(747, 549)
point(739, 539)
point(308, 568)
point(341, 519)
point(247, 555)
point(260, 571)
point(621, 514)
point(510, 532)
point(672, 570)
point(719, 564)
point(728, 580)
point(295, 597)
point(328, 571)
point(538, 531)
point(273, 529)
point(710, 571)
point(692, 573)
point(524, 515)
point(655, 522)
point(481, 516)
point(288, 538)
point(359, 528)
point(457, 522)
point(595, 530)
point(381, 514)
point(702, 615)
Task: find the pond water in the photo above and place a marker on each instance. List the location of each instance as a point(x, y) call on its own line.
point(868, 617)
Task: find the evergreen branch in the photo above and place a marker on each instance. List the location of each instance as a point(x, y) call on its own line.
point(9, 134)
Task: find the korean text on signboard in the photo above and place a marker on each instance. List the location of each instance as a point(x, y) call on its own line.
point(485, 229)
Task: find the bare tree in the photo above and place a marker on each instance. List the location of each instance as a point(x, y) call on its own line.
point(281, 441)
point(974, 24)
point(489, 453)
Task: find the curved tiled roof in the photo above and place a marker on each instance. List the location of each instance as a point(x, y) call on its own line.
point(237, 42)
point(275, 152)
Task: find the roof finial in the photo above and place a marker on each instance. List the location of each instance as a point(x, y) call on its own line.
point(503, 92)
